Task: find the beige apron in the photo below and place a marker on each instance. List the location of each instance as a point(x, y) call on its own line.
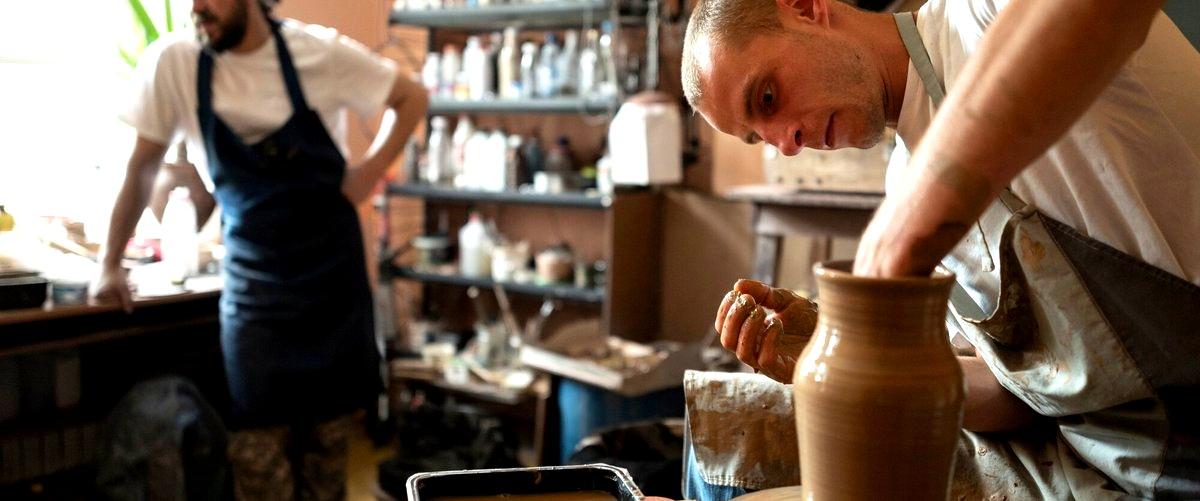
point(1104, 345)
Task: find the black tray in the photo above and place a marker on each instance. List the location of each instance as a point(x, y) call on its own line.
point(547, 479)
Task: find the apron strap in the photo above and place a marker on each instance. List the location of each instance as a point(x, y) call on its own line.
point(907, 26)
point(289, 70)
point(204, 84)
point(290, 78)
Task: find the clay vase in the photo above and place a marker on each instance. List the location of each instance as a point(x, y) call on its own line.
point(878, 392)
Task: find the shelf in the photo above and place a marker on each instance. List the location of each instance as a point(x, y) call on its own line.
point(798, 197)
point(525, 15)
point(590, 105)
point(563, 292)
point(573, 200)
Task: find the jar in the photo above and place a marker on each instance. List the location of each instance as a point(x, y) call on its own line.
point(878, 391)
point(555, 264)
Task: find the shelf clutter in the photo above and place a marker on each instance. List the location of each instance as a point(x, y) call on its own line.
point(530, 258)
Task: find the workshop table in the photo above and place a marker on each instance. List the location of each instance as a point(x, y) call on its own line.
point(781, 211)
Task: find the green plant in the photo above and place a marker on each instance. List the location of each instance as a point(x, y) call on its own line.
point(149, 29)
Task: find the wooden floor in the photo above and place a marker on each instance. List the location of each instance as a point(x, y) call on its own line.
point(362, 468)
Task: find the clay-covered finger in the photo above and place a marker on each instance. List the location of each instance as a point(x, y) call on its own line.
point(770, 359)
point(741, 308)
point(750, 338)
point(723, 309)
point(775, 298)
point(799, 318)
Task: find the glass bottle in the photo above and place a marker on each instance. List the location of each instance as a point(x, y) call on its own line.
point(589, 59)
point(528, 69)
point(568, 64)
point(547, 68)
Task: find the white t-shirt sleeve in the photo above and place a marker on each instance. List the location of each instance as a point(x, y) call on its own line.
point(364, 79)
point(153, 107)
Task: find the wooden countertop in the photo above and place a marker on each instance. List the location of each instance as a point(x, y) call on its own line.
point(9, 317)
point(202, 290)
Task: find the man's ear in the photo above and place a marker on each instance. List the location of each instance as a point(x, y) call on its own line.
point(812, 11)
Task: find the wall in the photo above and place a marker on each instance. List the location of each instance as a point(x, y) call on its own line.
point(1186, 15)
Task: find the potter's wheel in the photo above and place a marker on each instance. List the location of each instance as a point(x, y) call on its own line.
point(777, 494)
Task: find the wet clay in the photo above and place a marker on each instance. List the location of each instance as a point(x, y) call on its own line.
point(550, 496)
point(878, 390)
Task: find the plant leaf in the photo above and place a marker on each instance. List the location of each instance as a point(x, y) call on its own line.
point(143, 18)
point(130, 59)
point(170, 20)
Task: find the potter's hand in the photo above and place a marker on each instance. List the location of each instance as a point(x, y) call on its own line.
point(770, 343)
point(112, 287)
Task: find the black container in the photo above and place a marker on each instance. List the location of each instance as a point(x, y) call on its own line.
point(516, 481)
point(22, 292)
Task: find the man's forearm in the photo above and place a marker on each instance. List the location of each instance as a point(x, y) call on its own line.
point(135, 191)
point(1036, 71)
point(130, 202)
point(398, 124)
point(989, 406)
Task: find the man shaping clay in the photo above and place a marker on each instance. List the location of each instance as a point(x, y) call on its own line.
point(1057, 180)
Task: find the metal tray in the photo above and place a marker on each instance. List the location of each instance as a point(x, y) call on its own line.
point(547, 479)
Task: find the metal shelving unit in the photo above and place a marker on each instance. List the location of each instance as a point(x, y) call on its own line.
point(437, 193)
point(563, 292)
point(525, 15)
point(591, 105)
point(628, 219)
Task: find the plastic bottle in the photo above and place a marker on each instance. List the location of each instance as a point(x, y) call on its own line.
point(180, 243)
point(458, 145)
point(528, 69)
point(494, 175)
point(431, 73)
point(451, 67)
point(604, 182)
point(509, 66)
point(475, 248)
point(475, 67)
point(547, 68)
point(475, 161)
point(438, 165)
point(568, 64)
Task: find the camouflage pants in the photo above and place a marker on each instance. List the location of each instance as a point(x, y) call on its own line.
point(291, 463)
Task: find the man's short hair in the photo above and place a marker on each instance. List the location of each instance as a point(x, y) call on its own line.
point(728, 23)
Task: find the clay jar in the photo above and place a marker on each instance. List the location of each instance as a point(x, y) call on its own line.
point(879, 393)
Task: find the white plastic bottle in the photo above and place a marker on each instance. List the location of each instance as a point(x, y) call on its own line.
point(494, 175)
point(462, 132)
point(180, 243)
point(438, 164)
point(475, 65)
point(475, 248)
point(509, 66)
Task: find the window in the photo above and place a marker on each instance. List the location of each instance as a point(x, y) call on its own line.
point(62, 84)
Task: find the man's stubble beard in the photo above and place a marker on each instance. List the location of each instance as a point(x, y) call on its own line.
point(232, 32)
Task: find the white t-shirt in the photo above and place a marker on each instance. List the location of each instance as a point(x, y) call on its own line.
point(249, 94)
point(1128, 172)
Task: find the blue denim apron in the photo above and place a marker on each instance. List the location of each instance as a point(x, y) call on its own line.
point(296, 320)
